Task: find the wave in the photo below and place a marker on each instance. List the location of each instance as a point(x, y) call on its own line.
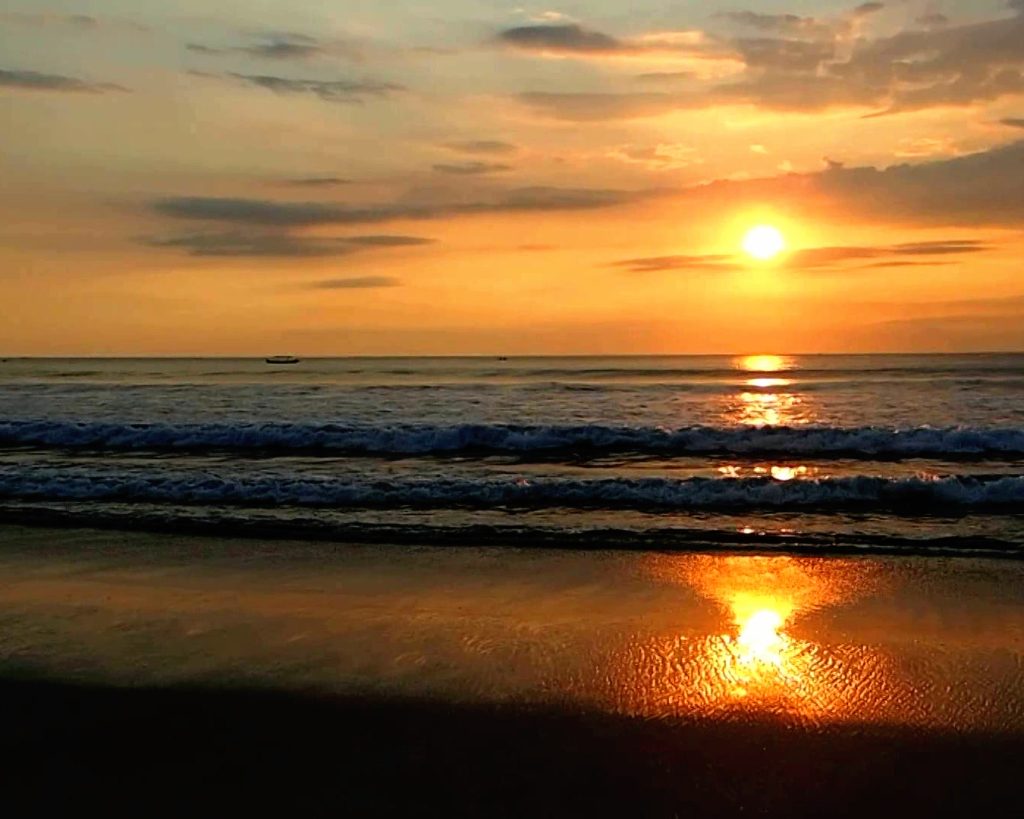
point(954, 495)
point(484, 439)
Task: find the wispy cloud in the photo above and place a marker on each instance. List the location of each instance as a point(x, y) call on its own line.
point(36, 81)
point(343, 91)
point(483, 146)
point(816, 258)
point(316, 181)
point(329, 90)
point(279, 245)
point(566, 37)
point(356, 283)
point(270, 213)
point(471, 168)
point(276, 46)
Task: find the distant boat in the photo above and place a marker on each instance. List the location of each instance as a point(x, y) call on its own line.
point(282, 359)
point(502, 358)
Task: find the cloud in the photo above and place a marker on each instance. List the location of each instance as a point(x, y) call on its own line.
point(35, 81)
point(659, 77)
point(654, 264)
point(783, 24)
point(82, 22)
point(50, 18)
point(1013, 122)
point(483, 146)
point(804, 64)
point(267, 213)
point(279, 245)
point(356, 283)
point(471, 168)
point(274, 46)
point(573, 40)
point(663, 156)
point(816, 258)
point(344, 91)
point(866, 9)
point(561, 39)
point(980, 188)
point(316, 181)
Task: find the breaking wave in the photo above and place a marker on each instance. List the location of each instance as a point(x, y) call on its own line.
point(910, 495)
point(484, 439)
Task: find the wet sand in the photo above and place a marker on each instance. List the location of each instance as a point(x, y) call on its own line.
point(367, 680)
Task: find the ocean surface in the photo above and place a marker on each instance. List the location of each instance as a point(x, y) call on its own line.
point(815, 454)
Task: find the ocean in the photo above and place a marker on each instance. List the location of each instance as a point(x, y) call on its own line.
point(892, 454)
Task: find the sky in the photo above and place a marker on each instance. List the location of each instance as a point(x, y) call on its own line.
point(255, 177)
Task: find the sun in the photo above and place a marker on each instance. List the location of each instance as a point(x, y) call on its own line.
point(764, 242)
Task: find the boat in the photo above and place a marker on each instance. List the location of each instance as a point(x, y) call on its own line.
point(282, 359)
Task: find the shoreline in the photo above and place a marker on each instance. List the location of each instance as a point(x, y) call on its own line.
point(667, 540)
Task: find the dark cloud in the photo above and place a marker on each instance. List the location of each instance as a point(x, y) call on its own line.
point(330, 90)
point(561, 38)
point(804, 64)
point(282, 50)
point(984, 188)
point(317, 181)
point(483, 146)
point(816, 258)
point(344, 91)
point(471, 168)
point(279, 245)
point(1013, 122)
point(271, 46)
point(266, 213)
point(954, 65)
point(786, 55)
point(356, 283)
point(35, 81)
point(865, 9)
point(571, 39)
point(980, 188)
point(657, 77)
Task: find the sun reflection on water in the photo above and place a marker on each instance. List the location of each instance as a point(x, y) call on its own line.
point(763, 363)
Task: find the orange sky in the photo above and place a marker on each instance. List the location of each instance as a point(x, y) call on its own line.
point(387, 178)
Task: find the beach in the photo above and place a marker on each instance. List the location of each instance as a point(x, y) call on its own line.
point(499, 681)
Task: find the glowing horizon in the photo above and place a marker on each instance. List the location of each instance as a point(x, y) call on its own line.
point(247, 180)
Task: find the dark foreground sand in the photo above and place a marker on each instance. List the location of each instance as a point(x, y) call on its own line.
point(196, 752)
point(157, 674)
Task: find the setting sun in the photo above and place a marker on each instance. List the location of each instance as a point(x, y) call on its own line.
point(764, 242)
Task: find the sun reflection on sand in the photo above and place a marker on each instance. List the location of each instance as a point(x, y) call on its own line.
point(759, 658)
